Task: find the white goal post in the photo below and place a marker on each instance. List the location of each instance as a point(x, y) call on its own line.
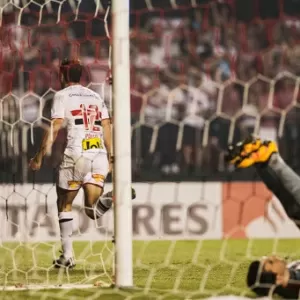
point(122, 143)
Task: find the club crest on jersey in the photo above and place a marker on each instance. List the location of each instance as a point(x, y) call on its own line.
point(89, 116)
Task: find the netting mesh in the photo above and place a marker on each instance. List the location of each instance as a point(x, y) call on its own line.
point(204, 73)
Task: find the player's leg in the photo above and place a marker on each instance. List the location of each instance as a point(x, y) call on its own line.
point(96, 170)
point(65, 199)
point(96, 204)
point(274, 172)
point(68, 184)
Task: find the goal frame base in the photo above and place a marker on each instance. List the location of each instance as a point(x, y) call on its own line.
point(70, 286)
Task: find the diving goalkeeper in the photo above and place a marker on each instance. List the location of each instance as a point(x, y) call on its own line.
point(87, 155)
point(273, 171)
point(272, 274)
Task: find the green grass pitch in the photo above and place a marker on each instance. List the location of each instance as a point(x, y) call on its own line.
point(172, 269)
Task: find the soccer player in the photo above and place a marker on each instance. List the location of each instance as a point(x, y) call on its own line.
point(274, 172)
point(274, 275)
point(87, 155)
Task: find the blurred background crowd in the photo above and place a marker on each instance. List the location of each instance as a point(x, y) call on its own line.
point(203, 74)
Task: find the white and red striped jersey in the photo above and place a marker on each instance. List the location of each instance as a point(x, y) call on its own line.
point(83, 110)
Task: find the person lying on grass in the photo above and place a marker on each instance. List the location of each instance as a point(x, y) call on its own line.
point(274, 275)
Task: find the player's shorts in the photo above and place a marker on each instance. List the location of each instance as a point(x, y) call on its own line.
point(73, 173)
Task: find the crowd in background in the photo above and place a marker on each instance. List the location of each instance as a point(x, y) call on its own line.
point(201, 77)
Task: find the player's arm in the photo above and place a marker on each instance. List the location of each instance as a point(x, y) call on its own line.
point(106, 125)
point(57, 116)
point(49, 137)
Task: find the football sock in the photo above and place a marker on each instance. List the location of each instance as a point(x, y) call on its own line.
point(65, 226)
point(103, 204)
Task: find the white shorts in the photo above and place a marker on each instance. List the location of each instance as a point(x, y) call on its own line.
point(73, 173)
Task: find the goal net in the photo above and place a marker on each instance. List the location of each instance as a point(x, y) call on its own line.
point(203, 74)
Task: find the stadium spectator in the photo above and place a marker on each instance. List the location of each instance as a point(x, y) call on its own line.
point(196, 107)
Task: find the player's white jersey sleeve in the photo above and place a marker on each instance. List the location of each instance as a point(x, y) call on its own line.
point(58, 108)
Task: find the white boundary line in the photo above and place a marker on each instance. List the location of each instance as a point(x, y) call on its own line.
point(31, 287)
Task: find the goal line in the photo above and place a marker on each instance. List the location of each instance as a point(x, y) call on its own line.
point(69, 286)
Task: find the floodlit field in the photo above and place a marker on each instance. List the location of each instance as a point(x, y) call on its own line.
point(175, 270)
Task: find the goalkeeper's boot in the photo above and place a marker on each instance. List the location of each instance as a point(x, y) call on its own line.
point(251, 151)
point(62, 262)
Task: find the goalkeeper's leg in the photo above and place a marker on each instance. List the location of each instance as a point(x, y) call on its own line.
point(284, 183)
point(274, 172)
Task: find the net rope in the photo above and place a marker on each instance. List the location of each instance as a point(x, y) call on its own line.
point(185, 95)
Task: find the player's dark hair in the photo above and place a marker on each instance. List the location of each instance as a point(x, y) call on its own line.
point(259, 281)
point(71, 70)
